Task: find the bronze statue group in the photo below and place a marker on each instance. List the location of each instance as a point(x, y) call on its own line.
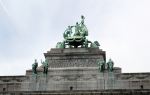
point(75, 36)
point(35, 65)
point(105, 66)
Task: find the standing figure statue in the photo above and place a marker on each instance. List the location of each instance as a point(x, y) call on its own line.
point(83, 28)
point(82, 19)
point(101, 64)
point(45, 66)
point(34, 67)
point(110, 65)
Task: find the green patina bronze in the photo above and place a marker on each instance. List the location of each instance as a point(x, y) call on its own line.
point(34, 67)
point(110, 65)
point(101, 65)
point(105, 66)
point(60, 45)
point(45, 66)
point(95, 44)
point(75, 36)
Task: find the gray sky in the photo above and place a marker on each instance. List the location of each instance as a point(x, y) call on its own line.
point(28, 28)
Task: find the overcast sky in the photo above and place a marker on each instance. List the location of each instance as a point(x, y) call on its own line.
point(29, 28)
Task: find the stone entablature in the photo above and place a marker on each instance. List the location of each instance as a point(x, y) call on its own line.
point(57, 80)
point(71, 57)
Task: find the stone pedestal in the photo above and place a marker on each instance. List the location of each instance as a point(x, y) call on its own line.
point(74, 57)
point(73, 69)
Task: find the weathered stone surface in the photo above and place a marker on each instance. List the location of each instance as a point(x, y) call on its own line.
point(71, 57)
point(81, 92)
point(75, 70)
